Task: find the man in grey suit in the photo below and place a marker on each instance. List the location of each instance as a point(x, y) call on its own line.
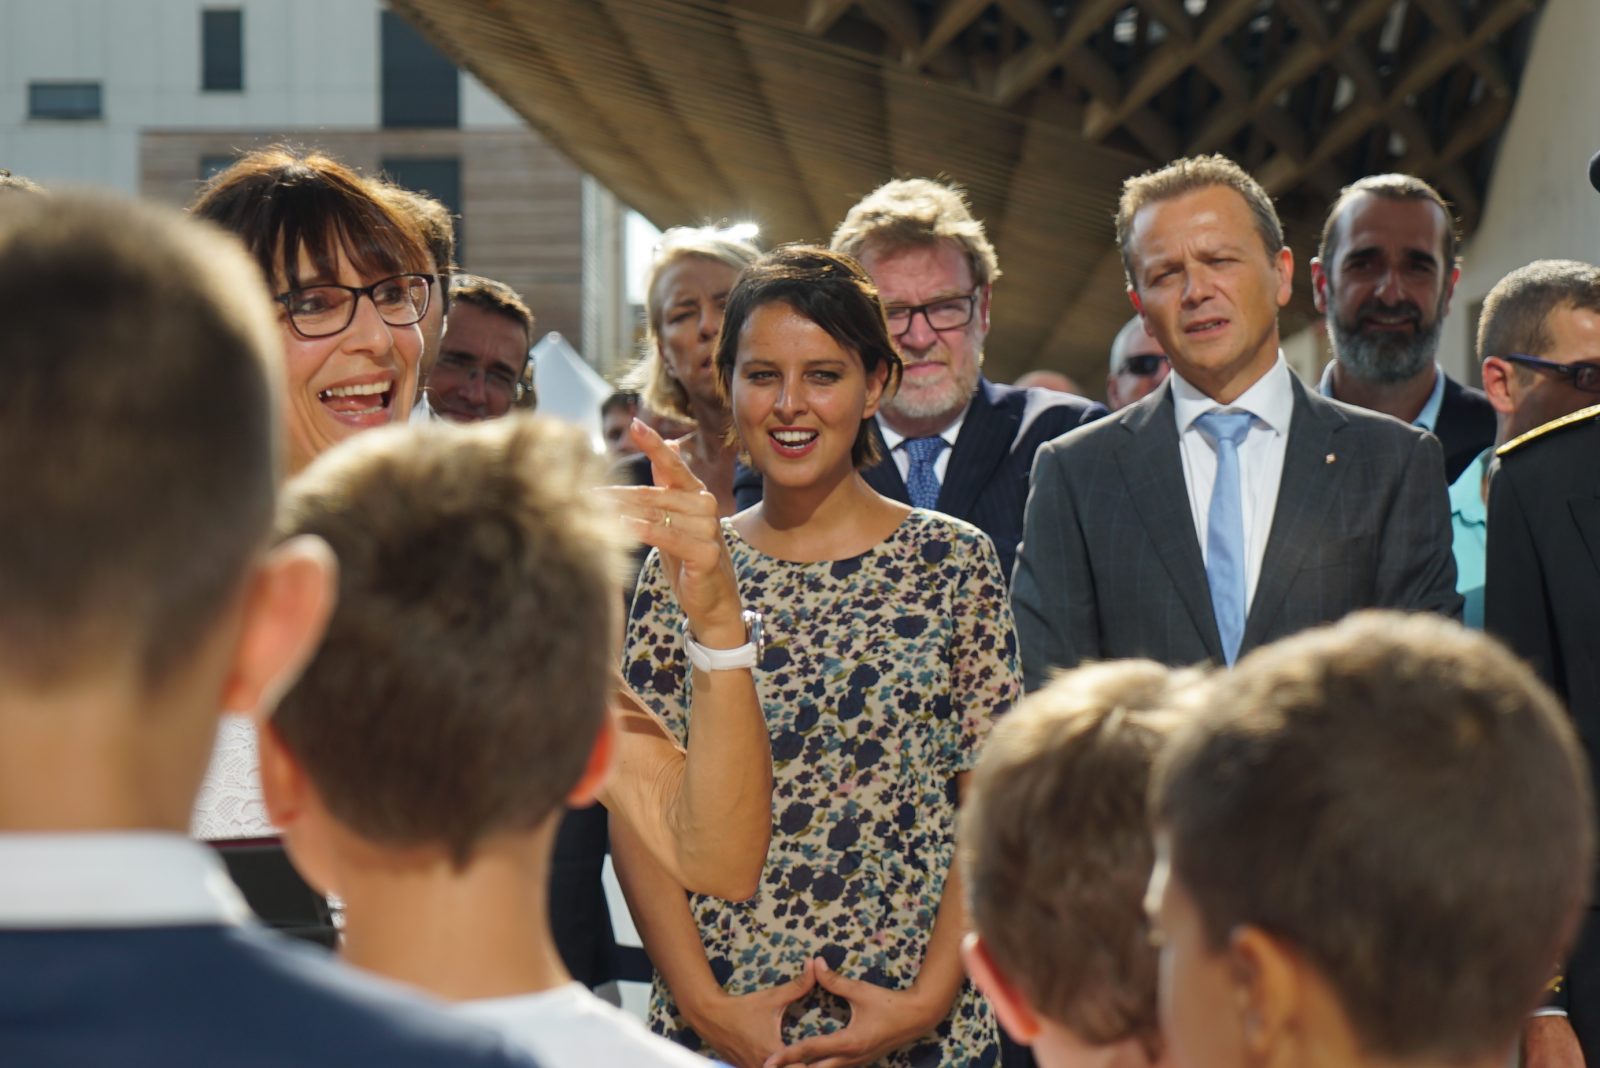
point(1232, 506)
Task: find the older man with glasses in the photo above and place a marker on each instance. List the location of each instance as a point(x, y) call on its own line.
point(951, 440)
point(1138, 365)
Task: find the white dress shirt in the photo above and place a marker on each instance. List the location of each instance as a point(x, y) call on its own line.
point(902, 459)
point(570, 1026)
point(1271, 402)
point(113, 879)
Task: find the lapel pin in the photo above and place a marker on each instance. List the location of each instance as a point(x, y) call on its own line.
point(1328, 459)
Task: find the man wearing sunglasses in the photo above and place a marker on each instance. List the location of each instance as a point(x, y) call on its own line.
point(1539, 336)
point(1138, 365)
point(1383, 277)
point(1539, 340)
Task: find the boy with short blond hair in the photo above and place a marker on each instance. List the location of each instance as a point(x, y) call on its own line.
point(1373, 846)
point(458, 704)
point(1056, 854)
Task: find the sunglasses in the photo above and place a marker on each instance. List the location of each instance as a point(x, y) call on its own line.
point(1583, 375)
point(1142, 366)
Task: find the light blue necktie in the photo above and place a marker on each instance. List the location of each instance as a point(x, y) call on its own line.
point(1225, 561)
point(921, 481)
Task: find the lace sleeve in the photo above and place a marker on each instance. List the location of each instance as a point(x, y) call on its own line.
point(230, 803)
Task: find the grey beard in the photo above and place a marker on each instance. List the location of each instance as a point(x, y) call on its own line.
point(1384, 359)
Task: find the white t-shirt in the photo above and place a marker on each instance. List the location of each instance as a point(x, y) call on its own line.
point(569, 1026)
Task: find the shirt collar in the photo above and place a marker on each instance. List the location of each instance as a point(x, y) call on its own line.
point(113, 879)
point(894, 439)
point(1466, 492)
point(1270, 399)
point(1427, 419)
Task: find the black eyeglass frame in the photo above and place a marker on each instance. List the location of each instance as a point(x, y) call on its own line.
point(1156, 358)
point(356, 293)
point(912, 311)
point(1575, 372)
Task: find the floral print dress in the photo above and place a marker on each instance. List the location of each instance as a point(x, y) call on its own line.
point(881, 676)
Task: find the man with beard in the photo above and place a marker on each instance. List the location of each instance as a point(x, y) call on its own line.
point(1383, 276)
point(951, 439)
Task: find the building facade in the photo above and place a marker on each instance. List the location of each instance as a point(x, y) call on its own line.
point(151, 98)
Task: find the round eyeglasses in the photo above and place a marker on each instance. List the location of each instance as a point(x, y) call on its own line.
point(325, 310)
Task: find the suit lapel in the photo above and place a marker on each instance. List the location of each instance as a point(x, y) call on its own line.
point(1586, 514)
point(884, 476)
point(1307, 489)
point(1152, 467)
point(986, 436)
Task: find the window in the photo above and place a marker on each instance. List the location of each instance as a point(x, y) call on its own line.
point(420, 86)
point(222, 50)
point(437, 176)
point(63, 100)
point(211, 166)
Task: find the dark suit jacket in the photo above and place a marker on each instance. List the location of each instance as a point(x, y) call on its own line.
point(1542, 574)
point(1465, 427)
point(1110, 564)
point(986, 482)
point(1542, 597)
point(207, 995)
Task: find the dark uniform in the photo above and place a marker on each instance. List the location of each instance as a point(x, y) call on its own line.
point(1542, 598)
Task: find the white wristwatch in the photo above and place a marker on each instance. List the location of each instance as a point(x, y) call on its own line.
point(747, 655)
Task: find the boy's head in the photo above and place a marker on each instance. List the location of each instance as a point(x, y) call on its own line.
point(1056, 854)
point(139, 448)
point(464, 681)
point(1373, 845)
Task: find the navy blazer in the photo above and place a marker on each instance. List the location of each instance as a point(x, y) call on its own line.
point(1465, 427)
point(206, 995)
point(1112, 567)
point(986, 482)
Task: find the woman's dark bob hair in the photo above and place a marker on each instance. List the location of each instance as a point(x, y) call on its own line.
point(281, 200)
point(832, 291)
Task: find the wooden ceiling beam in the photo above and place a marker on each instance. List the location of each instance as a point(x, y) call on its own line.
point(898, 20)
point(1317, 46)
point(1359, 117)
point(1023, 71)
point(1171, 14)
point(954, 17)
point(1171, 59)
point(1033, 16)
point(822, 14)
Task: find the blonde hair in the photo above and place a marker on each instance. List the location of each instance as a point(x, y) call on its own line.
point(911, 212)
point(649, 376)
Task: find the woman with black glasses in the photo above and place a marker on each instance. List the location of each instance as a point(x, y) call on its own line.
point(352, 279)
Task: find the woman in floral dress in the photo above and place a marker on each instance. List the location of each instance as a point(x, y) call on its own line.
point(888, 650)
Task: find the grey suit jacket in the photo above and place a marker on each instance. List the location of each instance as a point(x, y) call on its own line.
point(1110, 564)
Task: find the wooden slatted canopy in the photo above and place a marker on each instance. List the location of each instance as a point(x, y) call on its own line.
point(786, 112)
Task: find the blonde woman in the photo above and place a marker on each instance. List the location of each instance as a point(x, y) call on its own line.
point(690, 278)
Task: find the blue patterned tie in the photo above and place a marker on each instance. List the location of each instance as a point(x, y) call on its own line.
point(1225, 562)
point(921, 481)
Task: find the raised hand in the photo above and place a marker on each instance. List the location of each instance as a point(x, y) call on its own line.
point(881, 1021)
point(678, 516)
point(746, 1030)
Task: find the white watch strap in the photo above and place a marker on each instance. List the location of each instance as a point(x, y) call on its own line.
point(740, 656)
